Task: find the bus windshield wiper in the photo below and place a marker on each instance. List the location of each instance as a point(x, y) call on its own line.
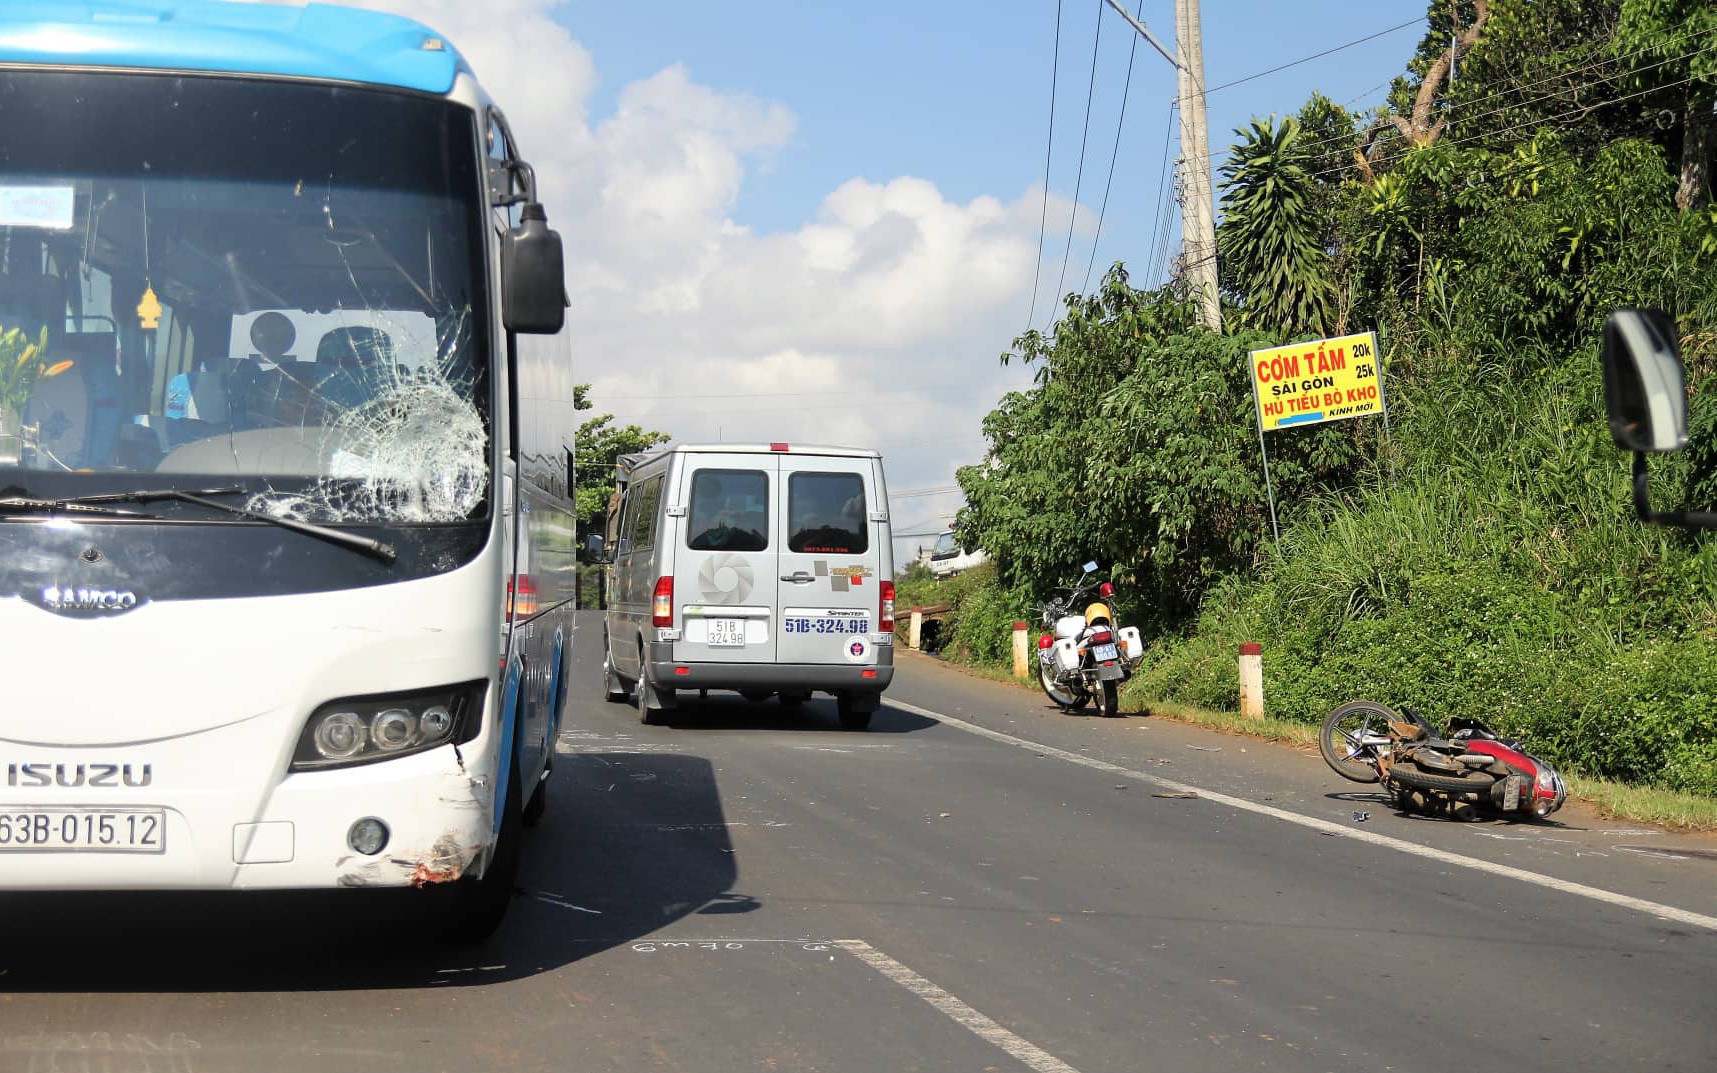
point(22, 504)
point(384, 552)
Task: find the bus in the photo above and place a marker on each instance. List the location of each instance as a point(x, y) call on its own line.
point(286, 458)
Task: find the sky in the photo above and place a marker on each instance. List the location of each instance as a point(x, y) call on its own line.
point(800, 221)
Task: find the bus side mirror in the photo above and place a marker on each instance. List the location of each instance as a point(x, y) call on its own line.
point(1645, 388)
point(533, 275)
point(1645, 391)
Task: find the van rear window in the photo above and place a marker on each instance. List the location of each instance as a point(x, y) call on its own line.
point(729, 510)
point(826, 514)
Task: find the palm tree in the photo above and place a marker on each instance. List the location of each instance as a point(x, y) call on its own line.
point(1273, 263)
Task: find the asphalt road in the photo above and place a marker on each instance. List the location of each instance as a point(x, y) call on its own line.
point(755, 889)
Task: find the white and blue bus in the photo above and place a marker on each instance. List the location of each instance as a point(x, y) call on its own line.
point(286, 419)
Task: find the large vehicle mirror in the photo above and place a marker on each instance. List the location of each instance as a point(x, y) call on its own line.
point(1645, 390)
point(533, 275)
point(1645, 387)
point(595, 549)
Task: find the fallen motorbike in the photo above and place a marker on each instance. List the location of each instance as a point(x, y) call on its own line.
point(1083, 655)
point(1469, 771)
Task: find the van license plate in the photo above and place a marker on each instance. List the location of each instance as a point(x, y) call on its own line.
point(727, 633)
point(34, 829)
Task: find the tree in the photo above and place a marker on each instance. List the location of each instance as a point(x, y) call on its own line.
point(1673, 44)
point(598, 444)
point(1424, 123)
point(1138, 447)
point(1273, 257)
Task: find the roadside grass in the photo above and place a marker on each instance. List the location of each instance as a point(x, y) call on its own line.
point(1645, 804)
point(1669, 809)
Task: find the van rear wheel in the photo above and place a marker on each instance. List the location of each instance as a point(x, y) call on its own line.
point(852, 718)
point(652, 705)
point(614, 688)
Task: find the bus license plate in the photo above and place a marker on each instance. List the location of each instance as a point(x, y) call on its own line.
point(32, 829)
point(1105, 653)
point(727, 633)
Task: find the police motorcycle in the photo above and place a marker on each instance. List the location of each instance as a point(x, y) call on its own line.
point(1082, 655)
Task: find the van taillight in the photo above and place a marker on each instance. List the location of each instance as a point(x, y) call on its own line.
point(662, 605)
point(887, 615)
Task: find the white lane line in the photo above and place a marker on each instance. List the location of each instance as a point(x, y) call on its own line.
point(1029, 1054)
point(1597, 894)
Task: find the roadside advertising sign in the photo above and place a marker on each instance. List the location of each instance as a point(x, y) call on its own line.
point(1324, 380)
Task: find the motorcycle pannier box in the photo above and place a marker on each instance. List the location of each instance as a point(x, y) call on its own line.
point(1067, 653)
point(1132, 645)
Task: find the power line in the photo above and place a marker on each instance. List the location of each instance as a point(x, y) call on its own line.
point(1348, 104)
point(1126, 90)
point(1079, 175)
point(920, 493)
point(1534, 122)
point(1162, 181)
point(1049, 149)
point(1313, 147)
point(1317, 55)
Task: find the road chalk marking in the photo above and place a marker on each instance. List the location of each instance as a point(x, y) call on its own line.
point(1597, 894)
point(1029, 1054)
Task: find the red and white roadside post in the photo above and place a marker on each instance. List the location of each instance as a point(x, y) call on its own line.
point(1022, 667)
point(1252, 680)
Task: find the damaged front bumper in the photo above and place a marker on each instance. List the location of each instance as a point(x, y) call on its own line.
point(436, 807)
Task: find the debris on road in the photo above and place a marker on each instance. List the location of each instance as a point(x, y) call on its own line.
point(1206, 748)
point(1361, 817)
point(1176, 794)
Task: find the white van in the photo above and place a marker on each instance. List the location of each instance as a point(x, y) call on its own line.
point(767, 569)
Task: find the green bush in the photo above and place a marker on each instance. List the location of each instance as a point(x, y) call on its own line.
point(979, 627)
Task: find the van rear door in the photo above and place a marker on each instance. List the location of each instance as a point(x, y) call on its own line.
point(829, 588)
point(724, 561)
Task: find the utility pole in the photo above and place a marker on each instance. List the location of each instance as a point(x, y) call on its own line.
point(1198, 209)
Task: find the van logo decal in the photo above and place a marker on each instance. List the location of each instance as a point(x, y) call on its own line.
point(726, 579)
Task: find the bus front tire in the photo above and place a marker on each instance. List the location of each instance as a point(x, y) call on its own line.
point(479, 905)
point(537, 806)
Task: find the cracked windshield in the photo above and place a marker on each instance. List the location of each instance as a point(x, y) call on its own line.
point(291, 313)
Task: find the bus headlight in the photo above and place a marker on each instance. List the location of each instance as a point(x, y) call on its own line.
point(363, 730)
point(393, 730)
point(340, 735)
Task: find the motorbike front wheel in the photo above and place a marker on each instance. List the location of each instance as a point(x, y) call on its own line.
point(1353, 736)
point(1067, 698)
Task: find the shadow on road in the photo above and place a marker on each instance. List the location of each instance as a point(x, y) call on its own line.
point(728, 711)
point(1486, 819)
point(630, 844)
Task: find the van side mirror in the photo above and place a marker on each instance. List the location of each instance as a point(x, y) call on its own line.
point(595, 549)
point(533, 275)
point(1645, 387)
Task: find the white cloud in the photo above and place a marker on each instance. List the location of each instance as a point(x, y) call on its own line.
point(878, 322)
